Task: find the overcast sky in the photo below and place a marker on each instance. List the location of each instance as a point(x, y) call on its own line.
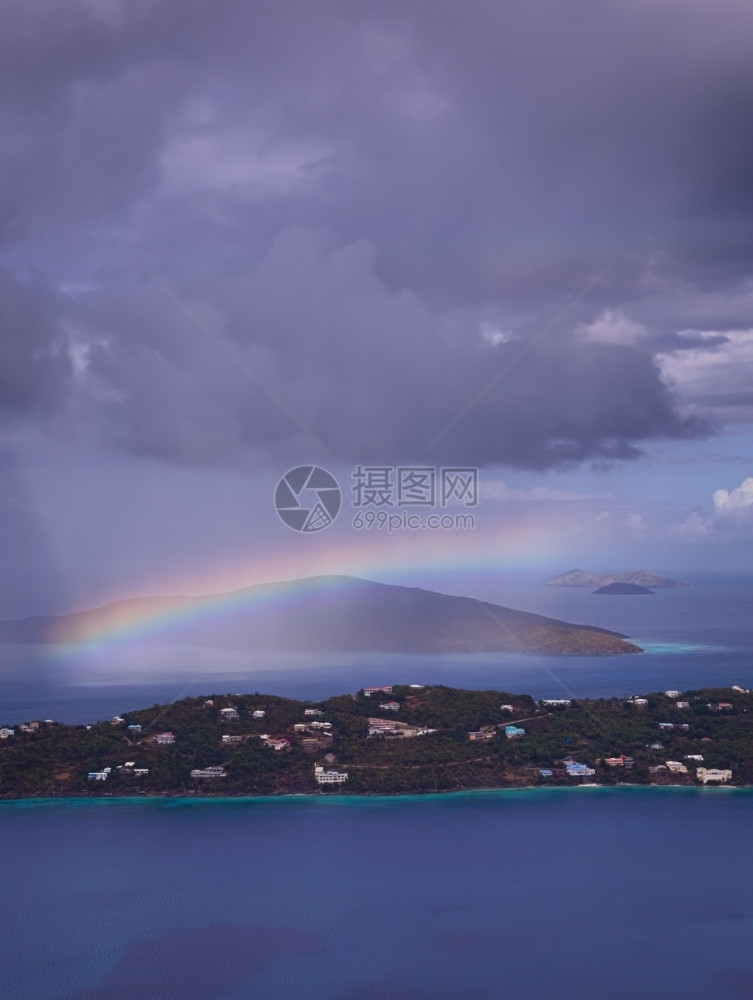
point(237, 237)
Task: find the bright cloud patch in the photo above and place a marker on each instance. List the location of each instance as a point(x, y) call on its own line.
point(613, 326)
point(717, 377)
point(731, 517)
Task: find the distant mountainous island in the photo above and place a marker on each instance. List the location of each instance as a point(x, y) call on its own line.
point(618, 589)
point(326, 614)
point(637, 577)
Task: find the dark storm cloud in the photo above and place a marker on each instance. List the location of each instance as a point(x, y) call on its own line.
point(377, 206)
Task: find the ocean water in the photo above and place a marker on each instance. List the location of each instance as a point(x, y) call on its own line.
point(580, 893)
point(696, 637)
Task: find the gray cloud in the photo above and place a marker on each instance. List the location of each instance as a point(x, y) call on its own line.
point(351, 195)
point(34, 362)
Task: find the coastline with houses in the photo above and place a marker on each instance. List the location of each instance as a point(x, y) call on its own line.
point(387, 739)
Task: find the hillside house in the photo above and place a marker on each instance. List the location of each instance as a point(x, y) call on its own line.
point(214, 771)
point(676, 767)
point(390, 706)
point(278, 744)
point(5, 733)
point(514, 732)
point(312, 711)
point(377, 727)
point(576, 770)
point(329, 776)
point(555, 702)
point(229, 713)
point(481, 734)
point(706, 774)
point(259, 713)
point(369, 691)
point(622, 761)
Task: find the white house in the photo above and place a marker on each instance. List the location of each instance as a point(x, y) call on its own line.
point(164, 738)
point(229, 713)
point(676, 766)
point(580, 770)
point(706, 774)
point(555, 702)
point(278, 744)
point(215, 771)
point(329, 776)
point(259, 713)
point(5, 733)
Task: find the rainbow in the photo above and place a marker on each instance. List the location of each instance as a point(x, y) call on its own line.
point(408, 558)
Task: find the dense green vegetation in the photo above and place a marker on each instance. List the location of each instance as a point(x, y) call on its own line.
point(55, 760)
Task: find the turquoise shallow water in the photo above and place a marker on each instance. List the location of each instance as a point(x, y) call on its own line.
point(581, 893)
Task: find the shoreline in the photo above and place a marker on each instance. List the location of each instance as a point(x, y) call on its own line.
point(314, 798)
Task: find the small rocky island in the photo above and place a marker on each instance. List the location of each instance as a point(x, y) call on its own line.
point(623, 588)
point(391, 739)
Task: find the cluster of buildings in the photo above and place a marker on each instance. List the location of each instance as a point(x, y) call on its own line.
point(311, 734)
point(26, 727)
point(128, 768)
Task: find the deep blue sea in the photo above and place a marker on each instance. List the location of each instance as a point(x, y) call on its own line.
point(583, 893)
